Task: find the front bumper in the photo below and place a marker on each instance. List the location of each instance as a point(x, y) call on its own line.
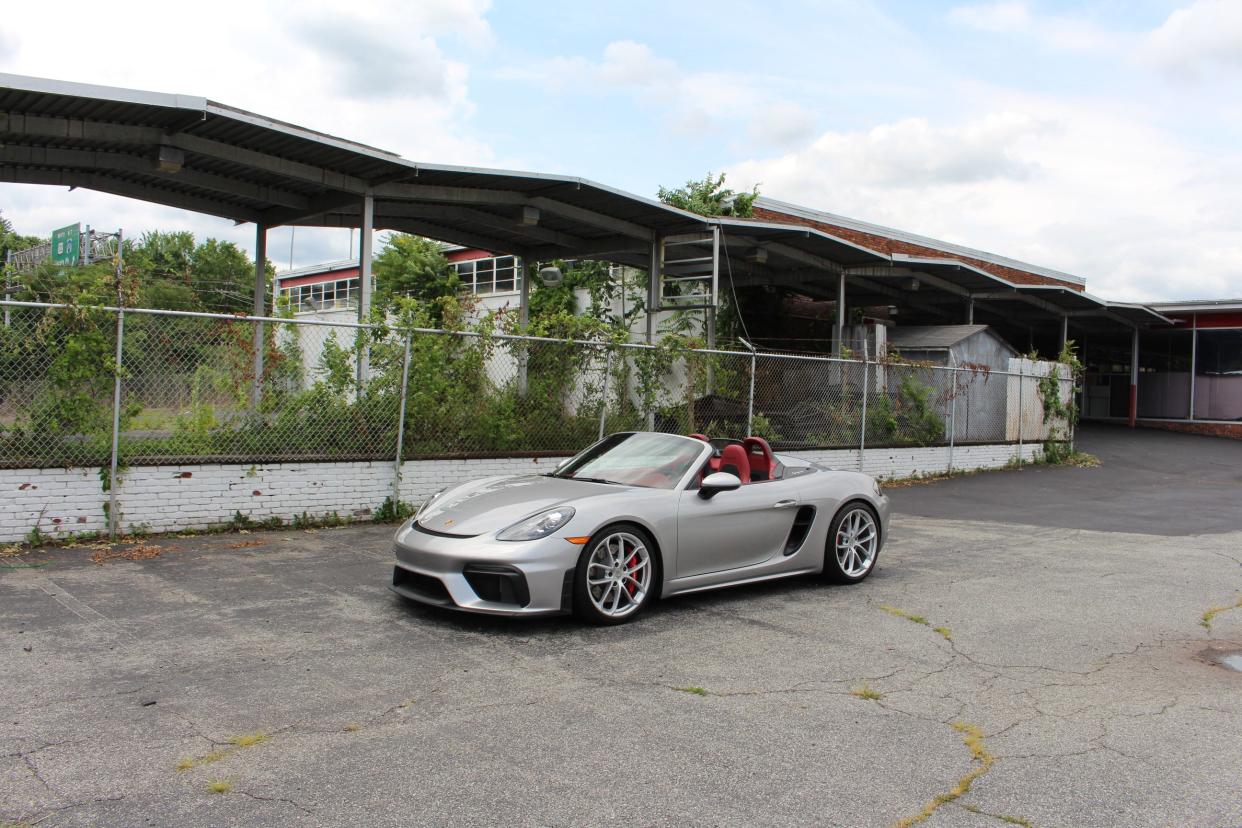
point(484, 575)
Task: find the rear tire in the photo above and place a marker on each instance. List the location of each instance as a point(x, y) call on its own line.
point(853, 545)
point(617, 575)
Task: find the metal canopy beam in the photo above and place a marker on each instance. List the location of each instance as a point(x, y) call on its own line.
point(106, 184)
point(92, 161)
point(1043, 304)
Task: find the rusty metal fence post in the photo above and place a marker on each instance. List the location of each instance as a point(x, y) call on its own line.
point(862, 430)
point(405, 384)
point(1021, 407)
point(952, 409)
point(603, 400)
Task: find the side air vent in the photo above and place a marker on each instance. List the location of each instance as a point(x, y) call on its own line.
point(801, 528)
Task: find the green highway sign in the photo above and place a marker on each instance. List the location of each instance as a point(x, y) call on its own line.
point(65, 244)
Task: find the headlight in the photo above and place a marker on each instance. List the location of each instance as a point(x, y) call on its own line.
point(427, 503)
point(539, 526)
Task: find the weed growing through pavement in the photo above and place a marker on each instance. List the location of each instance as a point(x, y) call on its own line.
point(864, 691)
point(697, 691)
point(220, 786)
point(1006, 818)
point(1212, 612)
point(944, 632)
point(236, 743)
point(972, 737)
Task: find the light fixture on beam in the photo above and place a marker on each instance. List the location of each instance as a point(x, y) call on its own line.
point(551, 275)
point(530, 217)
point(168, 160)
point(758, 256)
point(912, 284)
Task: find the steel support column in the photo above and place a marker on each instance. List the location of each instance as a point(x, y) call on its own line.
point(8, 263)
point(711, 309)
point(260, 293)
point(1064, 331)
point(530, 269)
point(838, 348)
point(970, 310)
point(1134, 374)
point(366, 286)
point(653, 286)
point(1194, 360)
point(653, 303)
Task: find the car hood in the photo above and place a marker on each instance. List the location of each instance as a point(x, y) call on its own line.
point(494, 503)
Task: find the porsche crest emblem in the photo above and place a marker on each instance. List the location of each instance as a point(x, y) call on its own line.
point(449, 522)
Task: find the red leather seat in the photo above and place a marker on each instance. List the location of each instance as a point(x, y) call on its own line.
point(702, 437)
point(759, 453)
point(734, 461)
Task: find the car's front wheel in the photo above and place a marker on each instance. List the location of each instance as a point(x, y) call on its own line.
point(616, 575)
point(853, 544)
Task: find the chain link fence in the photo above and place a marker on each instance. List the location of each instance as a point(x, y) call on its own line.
point(194, 390)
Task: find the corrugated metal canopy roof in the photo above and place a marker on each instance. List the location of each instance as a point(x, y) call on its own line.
point(196, 154)
point(235, 164)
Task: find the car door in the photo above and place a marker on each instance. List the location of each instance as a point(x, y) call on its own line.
point(733, 529)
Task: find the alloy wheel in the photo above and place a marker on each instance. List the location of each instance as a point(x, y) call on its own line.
point(856, 542)
point(619, 574)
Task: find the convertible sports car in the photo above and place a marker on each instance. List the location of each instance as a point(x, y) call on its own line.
point(635, 517)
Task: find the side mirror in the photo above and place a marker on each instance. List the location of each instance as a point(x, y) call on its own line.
point(717, 482)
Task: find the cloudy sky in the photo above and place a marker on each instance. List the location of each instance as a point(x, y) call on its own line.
point(1100, 137)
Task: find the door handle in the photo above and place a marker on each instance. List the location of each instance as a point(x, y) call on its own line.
point(784, 504)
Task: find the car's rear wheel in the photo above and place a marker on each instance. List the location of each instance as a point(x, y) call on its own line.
point(853, 544)
point(616, 575)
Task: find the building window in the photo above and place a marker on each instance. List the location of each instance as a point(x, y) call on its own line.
point(338, 294)
point(1218, 375)
point(484, 277)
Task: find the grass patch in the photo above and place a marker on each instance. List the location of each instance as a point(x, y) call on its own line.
point(1212, 612)
point(693, 690)
point(236, 743)
point(351, 728)
point(219, 786)
point(248, 739)
point(944, 632)
point(864, 691)
point(1006, 818)
point(972, 737)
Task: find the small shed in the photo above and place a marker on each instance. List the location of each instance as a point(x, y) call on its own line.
point(952, 345)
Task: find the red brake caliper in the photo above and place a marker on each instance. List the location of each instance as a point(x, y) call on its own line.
point(630, 586)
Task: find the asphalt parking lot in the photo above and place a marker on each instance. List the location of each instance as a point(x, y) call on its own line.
point(1071, 681)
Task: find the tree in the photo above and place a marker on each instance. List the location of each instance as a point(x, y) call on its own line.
point(11, 240)
point(709, 197)
point(412, 266)
point(175, 273)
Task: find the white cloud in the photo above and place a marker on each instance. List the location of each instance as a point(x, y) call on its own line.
point(1195, 39)
point(1062, 32)
point(692, 103)
point(993, 17)
point(383, 72)
point(1084, 188)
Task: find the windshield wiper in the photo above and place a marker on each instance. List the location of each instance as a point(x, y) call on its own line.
point(596, 480)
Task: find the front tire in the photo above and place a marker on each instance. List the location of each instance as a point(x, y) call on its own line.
point(853, 545)
point(616, 575)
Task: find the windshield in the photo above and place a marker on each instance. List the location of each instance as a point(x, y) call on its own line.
point(656, 461)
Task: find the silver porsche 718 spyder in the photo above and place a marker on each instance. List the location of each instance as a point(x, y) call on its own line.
point(635, 517)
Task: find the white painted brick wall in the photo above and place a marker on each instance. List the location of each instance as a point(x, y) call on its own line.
point(195, 496)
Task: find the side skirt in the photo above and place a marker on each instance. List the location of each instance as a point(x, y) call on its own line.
point(671, 587)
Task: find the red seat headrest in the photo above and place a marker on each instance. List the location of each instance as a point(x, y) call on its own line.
point(702, 437)
point(759, 453)
point(734, 461)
